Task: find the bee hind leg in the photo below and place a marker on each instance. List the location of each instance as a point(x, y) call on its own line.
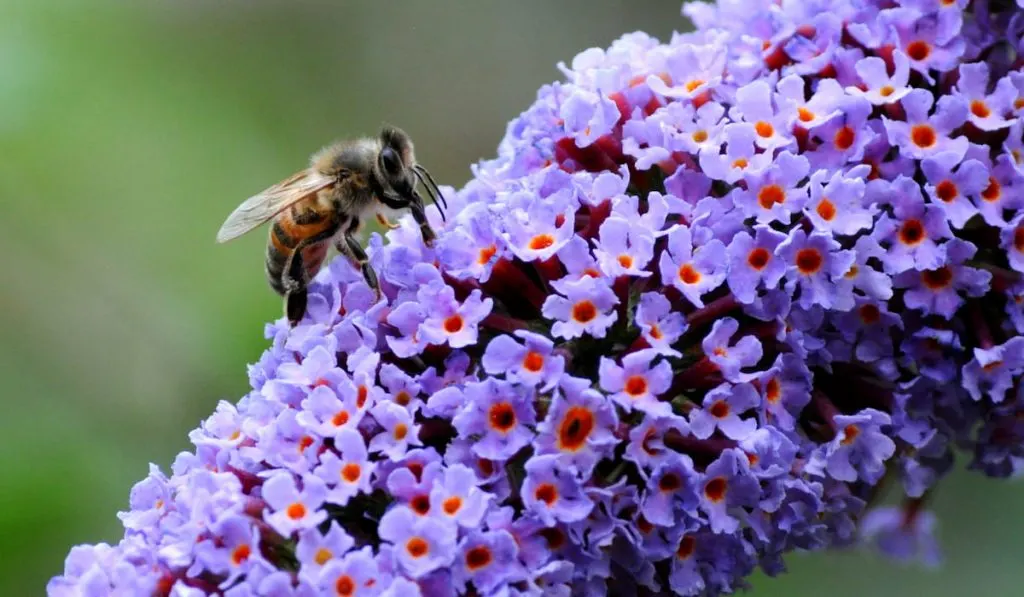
point(295, 305)
point(357, 253)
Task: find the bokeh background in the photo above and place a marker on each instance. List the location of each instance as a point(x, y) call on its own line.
point(130, 128)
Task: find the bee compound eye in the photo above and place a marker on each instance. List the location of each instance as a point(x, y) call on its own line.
point(391, 162)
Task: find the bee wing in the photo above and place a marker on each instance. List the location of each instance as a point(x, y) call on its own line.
point(271, 201)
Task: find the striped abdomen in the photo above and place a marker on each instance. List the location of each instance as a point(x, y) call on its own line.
point(304, 223)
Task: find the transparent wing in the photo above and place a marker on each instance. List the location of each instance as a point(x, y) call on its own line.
point(271, 201)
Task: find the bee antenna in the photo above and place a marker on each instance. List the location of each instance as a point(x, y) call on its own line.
point(437, 190)
point(434, 192)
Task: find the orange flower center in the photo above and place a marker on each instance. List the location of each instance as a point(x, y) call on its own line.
point(636, 386)
point(946, 191)
point(758, 258)
point(808, 261)
point(923, 135)
point(403, 398)
point(486, 254)
point(546, 492)
point(886, 90)
point(575, 428)
point(453, 324)
point(804, 114)
point(295, 511)
point(361, 395)
point(322, 556)
point(715, 489)
point(980, 109)
point(584, 311)
point(626, 261)
point(993, 191)
point(687, 545)
point(720, 409)
point(452, 505)
point(740, 163)
point(918, 50)
point(912, 232)
point(688, 274)
point(502, 417)
point(693, 84)
point(770, 195)
point(339, 418)
point(669, 482)
point(478, 557)
point(533, 361)
point(850, 433)
point(351, 472)
point(401, 430)
point(240, 554)
point(420, 504)
point(826, 209)
point(541, 241)
point(417, 547)
point(1018, 238)
point(773, 390)
point(345, 585)
point(844, 138)
point(870, 314)
point(699, 136)
point(764, 129)
point(937, 279)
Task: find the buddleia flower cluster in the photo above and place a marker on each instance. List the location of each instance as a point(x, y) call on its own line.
point(709, 297)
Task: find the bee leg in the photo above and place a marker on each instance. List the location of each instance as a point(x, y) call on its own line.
point(295, 305)
point(384, 221)
point(421, 218)
point(356, 250)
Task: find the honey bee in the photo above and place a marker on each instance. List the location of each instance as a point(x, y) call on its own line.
point(327, 203)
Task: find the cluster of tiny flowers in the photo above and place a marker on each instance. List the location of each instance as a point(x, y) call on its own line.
point(709, 297)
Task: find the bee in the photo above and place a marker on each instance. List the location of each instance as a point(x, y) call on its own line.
point(326, 204)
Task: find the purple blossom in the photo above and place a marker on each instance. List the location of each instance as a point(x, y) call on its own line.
point(939, 290)
point(636, 384)
point(531, 363)
point(659, 325)
point(448, 321)
point(422, 544)
point(913, 232)
point(951, 191)
point(923, 135)
point(500, 414)
point(879, 87)
point(458, 498)
point(351, 473)
point(728, 357)
point(992, 371)
point(624, 249)
point(580, 425)
point(727, 486)
point(752, 262)
point(722, 409)
point(670, 498)
point(755, 106)
point(316, 549)
point(400, 430)
point(585, 309)
point(860, 448)
point(290, 508)
point(814, 263)
point(985, 111)
point(773, 195)
point(552, 492)
point(488, 560)
point(694, 270)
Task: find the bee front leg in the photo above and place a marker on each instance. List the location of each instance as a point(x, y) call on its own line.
point(421, 218)
point(384, 221)
point(356, 250)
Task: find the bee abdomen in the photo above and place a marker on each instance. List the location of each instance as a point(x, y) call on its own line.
point(274, 266)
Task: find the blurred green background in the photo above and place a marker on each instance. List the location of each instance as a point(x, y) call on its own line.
point(129, 129)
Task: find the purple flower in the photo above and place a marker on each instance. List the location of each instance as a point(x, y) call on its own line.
point(422, 544)
point(755, 105)
point(879, 87)
point(624, 249)
point(773, 195)
point(587, 116)
point(552, 492)
point(351, 473)
point(585, 309)
point(987, 112)
point(921, 135)
point(722, 409)
point(694, 270)
point(860, 448)
point(838, 204)
point(939, 290)
point(752, 262)
point(670, 498)
point(785, 390)
point(740, 157)
point(659, 325)
point(811, 113)
point(400, 431)
point(458, 498)
point(951, 191)
point(636, 385)
point(488, 560)
point(233, 552)
point(315, 549)
point(500, 414)
point(727, 487)
point(992, 371)
point(448, 321)
point(1012, 238)
point(913, 232)
point(531, 363)
point(731, 358)
point(814, 262)
point(292, 509)
point(902, 534)
point(580, 425)
point(349, 574)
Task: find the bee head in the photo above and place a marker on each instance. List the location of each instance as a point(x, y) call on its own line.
point(396, 159)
